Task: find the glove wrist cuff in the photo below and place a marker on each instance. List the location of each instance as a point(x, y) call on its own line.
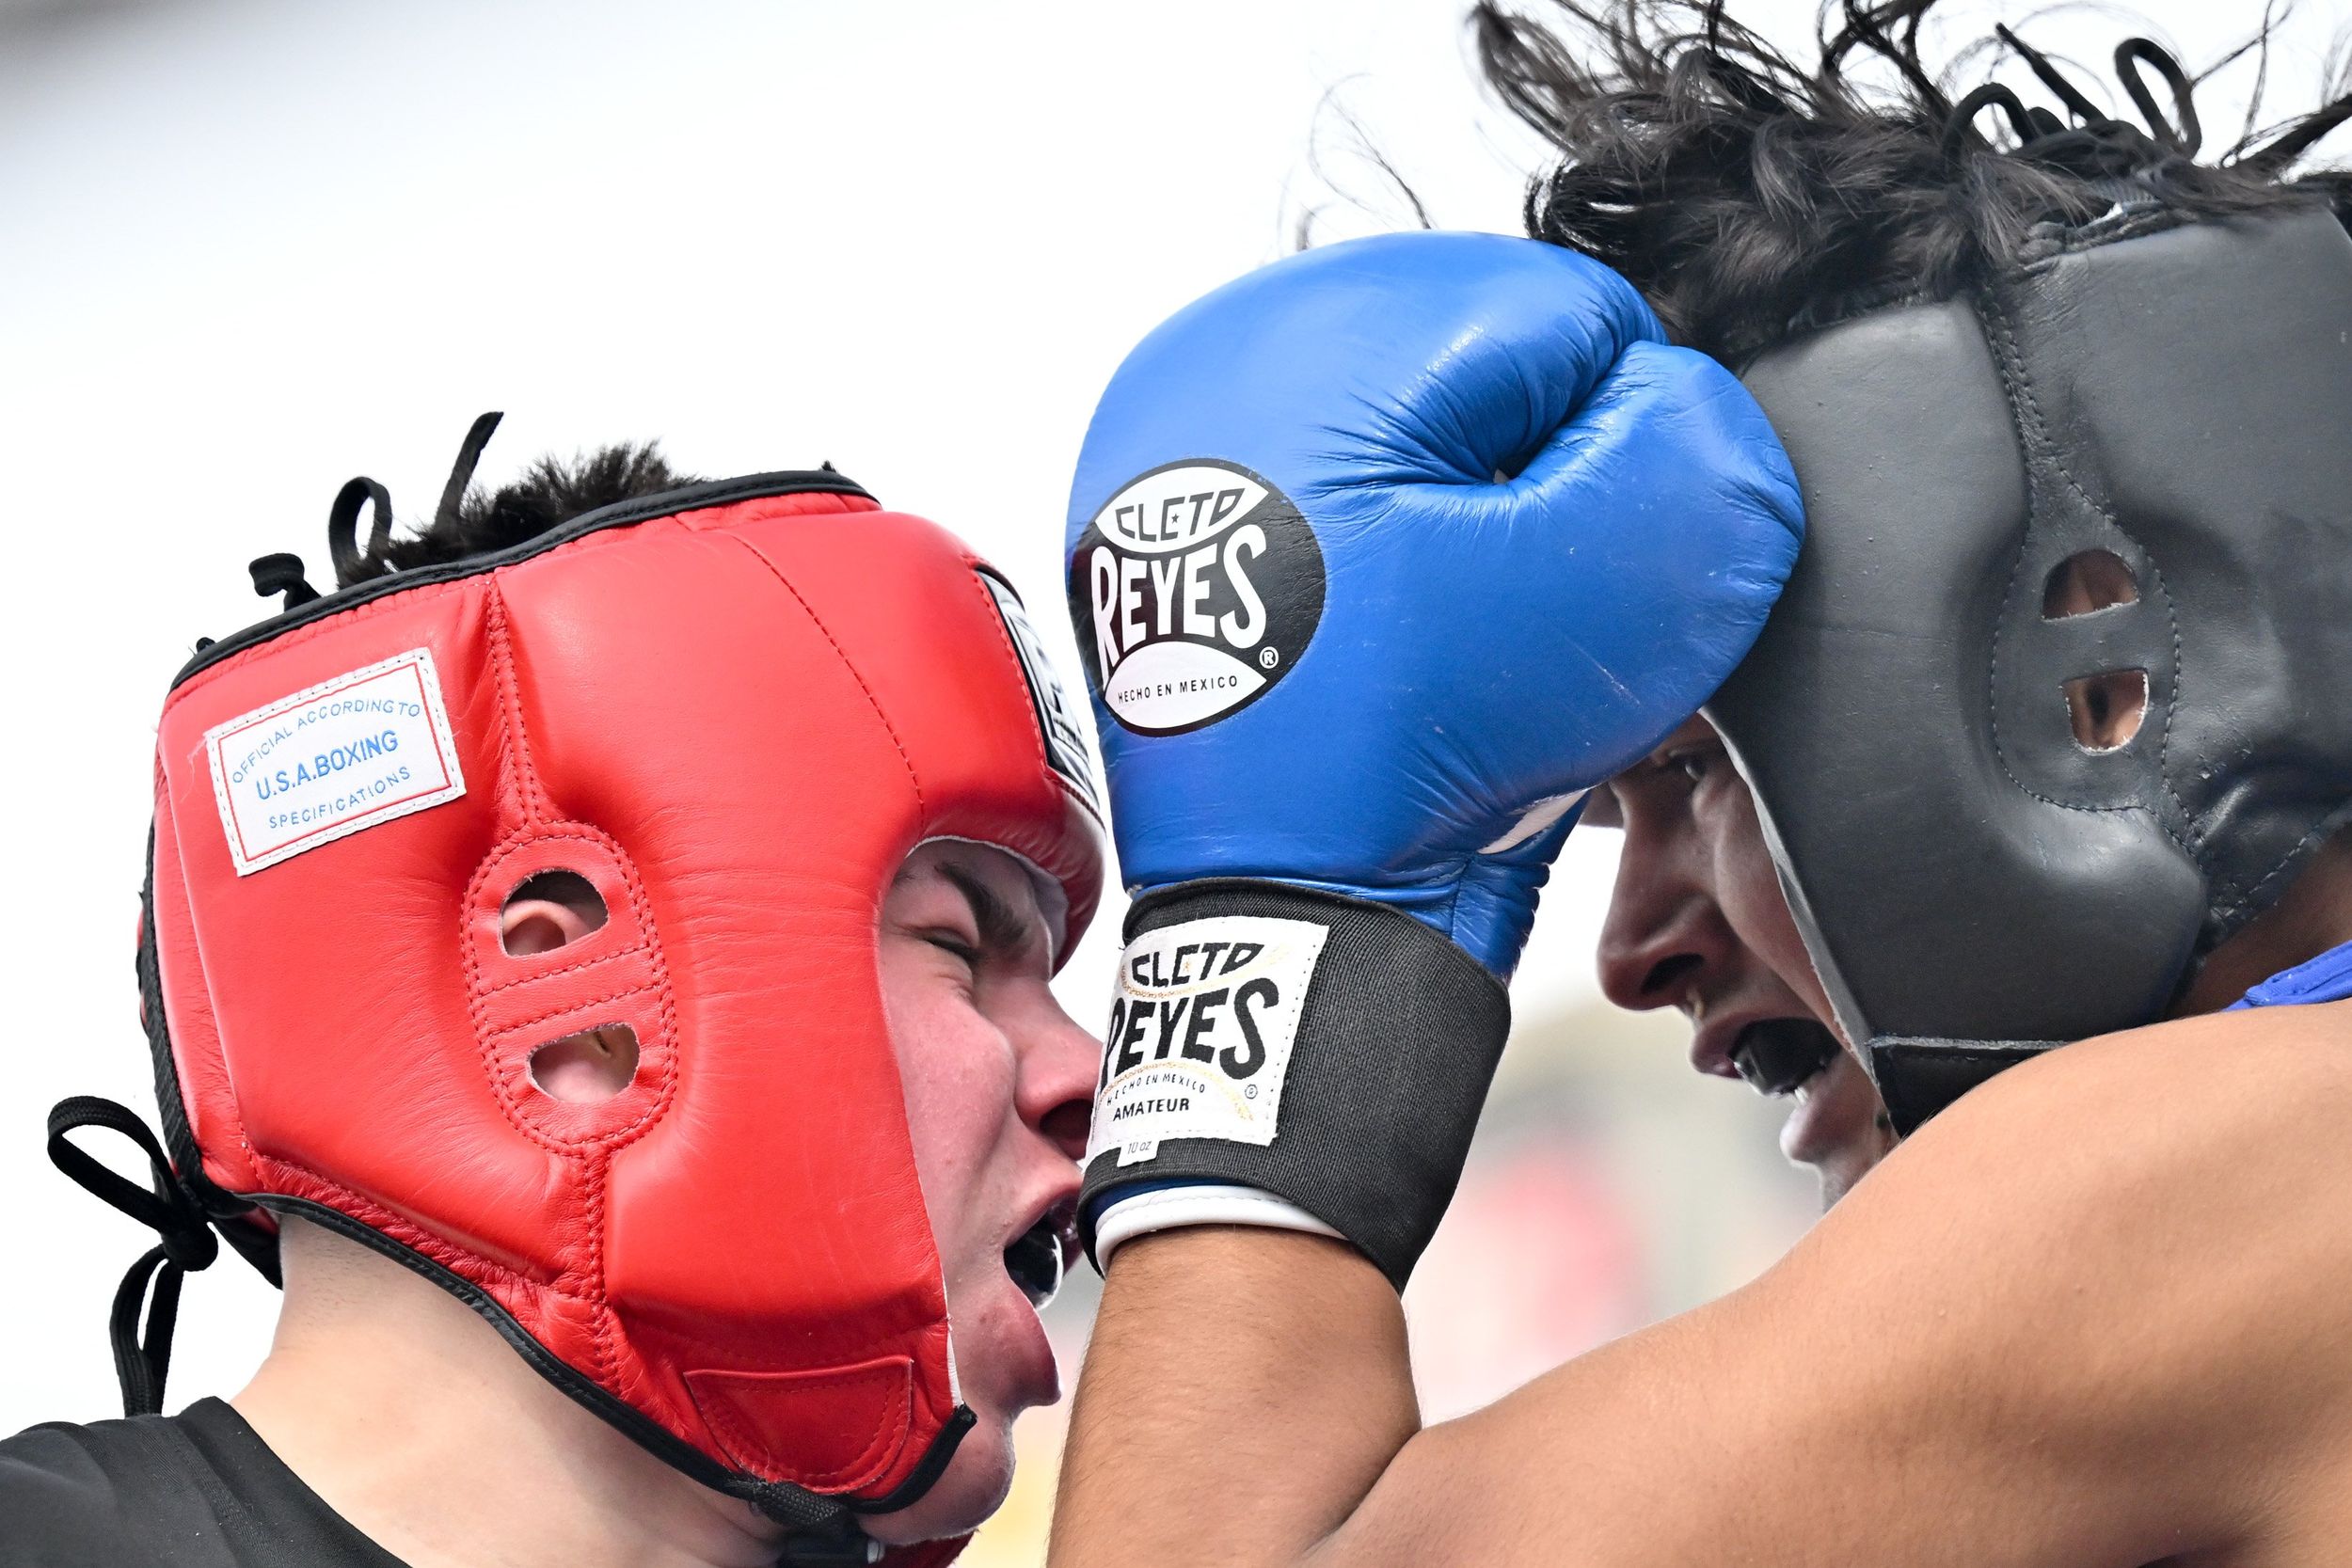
point(1134, 1212)
point(1327, 1050)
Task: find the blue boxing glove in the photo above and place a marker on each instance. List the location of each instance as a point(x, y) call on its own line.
point(1379, 557)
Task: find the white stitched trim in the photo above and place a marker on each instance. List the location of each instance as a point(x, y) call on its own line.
point(1173, 1208)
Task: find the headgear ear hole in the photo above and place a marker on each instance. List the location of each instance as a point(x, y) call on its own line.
point(2087, 581)
point(2107, 709)
point(549, 911)
point(583, 1068)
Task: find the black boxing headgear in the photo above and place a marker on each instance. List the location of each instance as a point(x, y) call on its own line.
point(1974, 882)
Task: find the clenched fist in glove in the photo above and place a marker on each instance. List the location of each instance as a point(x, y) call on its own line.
point(1379, 557)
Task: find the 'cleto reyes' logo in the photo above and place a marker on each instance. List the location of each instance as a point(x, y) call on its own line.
point(1201, 1029)
point(1166, 1011)
point(1194, 588)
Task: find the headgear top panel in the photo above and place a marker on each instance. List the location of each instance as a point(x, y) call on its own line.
point(1973, 881)
point(733, 710)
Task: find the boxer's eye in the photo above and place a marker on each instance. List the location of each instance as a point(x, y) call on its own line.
point(959, 948)
point(1696, 764)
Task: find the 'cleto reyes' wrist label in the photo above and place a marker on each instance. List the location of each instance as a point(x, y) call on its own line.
point(1201, 1028)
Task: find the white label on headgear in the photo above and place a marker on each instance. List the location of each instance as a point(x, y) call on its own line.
point(1201, 1027)
point(342, 756)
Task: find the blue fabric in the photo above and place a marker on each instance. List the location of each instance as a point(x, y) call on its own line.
point(2326, 978)
point(1548, 537)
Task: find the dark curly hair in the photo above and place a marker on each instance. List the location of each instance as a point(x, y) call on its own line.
point(473, 521)
point(1750, 198)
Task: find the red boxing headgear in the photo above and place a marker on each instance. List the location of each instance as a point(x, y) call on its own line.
point(734, 709)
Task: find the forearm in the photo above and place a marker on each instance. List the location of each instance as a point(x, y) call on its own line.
point(1336, 841)
point(1244, 1389)
point(2035, 1388)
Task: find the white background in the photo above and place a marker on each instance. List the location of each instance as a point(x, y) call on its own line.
point(251, 247)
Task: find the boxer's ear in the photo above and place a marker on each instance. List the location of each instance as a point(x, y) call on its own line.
point(548, 911)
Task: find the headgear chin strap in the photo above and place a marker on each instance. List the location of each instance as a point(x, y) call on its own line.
point(731, 711)
point(2148, 400)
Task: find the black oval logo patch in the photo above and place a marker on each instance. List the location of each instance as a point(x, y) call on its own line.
point(1193, 590)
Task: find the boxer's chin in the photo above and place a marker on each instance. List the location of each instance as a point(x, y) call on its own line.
point(973, 1487)
point(1837, 1127)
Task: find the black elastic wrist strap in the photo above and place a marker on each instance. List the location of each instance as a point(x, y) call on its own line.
point(1395, 1048)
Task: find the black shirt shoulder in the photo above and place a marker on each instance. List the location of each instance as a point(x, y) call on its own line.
point(57, 1504)
point(196, 1490)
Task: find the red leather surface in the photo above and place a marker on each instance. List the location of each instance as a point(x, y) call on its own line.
point(735, 723)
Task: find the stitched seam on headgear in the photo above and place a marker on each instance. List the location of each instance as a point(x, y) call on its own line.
point(890, 1341)
point(2172, 620)
point(889, 1433)
point(473, 1266)
point(515, 738)
point(630, 952)
point(855, 673)
point(2172, 706)
point(303, 634)
point(2106, 230)
point(484, 1034)
point(2008, 363)
point(600, 1305)
point(2328, 825)
point(724, 516)
point(520, 1024)
point(469, 1265)
point(399, 1228)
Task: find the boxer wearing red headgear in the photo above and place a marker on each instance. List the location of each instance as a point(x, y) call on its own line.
point(641, 933)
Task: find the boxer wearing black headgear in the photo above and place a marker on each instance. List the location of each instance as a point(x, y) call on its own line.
point(2047, 744)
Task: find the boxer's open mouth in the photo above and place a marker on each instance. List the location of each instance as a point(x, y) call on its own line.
point(1779, 1055)
point(1036, 1257)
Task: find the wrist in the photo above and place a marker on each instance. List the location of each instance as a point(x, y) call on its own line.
point(1483, 902)
point(1323, 1050)
point(1127, 1213)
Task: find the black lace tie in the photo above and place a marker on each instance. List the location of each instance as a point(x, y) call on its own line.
point(282, 574)
point(343, 527)
point(354, 564)
point(2096, 144)
point(141, 1360)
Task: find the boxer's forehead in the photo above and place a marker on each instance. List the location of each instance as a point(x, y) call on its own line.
point(1604, 810)
point(999, 890)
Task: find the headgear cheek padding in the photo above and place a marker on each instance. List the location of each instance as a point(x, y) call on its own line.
point(733, 711)
point(1975, 881)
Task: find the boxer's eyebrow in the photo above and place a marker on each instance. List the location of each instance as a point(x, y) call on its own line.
point(1003, 927)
